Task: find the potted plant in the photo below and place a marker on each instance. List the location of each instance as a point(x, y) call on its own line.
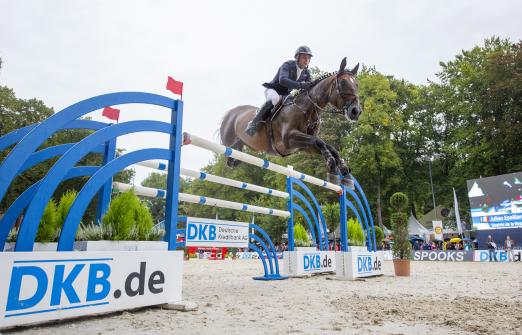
point(301, 240)
point(126, 226)
point(401, 245)
point(356, 239)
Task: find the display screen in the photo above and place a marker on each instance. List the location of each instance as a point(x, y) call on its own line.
point(496, 202)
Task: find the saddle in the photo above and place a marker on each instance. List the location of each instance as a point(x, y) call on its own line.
point(284, 101)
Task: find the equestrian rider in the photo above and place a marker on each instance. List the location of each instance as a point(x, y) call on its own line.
point(293, 74)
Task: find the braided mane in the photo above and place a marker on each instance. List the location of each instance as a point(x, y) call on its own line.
point(316, 81)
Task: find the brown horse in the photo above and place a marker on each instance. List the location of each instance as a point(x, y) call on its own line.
point(296, 126)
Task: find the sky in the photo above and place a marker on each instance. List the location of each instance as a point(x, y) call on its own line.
point(63, 51)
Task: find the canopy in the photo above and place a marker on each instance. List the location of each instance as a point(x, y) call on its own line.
point(415, 228)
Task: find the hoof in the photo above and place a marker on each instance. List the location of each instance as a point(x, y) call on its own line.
point(334, 179)
point(348, 182)
point(231, 162)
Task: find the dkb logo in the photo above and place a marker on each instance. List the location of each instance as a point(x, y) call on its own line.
point(200, 232)
point(313, 262)
point(365, 264)
point(50, 285)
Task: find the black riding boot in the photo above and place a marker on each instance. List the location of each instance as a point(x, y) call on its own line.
point(262, 114)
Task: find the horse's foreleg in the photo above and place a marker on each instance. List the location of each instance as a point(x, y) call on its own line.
point(345, 170)
point(315, 145)
point(237, 145)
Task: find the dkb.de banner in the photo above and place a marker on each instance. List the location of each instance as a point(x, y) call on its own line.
point(450, 255)
point(42, 286)
point(467, 256)
point(216, 233)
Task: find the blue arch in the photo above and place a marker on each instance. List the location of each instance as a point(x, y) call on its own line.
point(363, 195)
point(350, 205)
point(265, 248)
point(361, 209)
point(321, 240)
point(48, 153)
point(36, 136)
point(260, 253)
point(323, 234)
point(308, 222)
point(16, 135)
point(29, 226)
point(89, 190)
point(269, 240)
point(17, 207)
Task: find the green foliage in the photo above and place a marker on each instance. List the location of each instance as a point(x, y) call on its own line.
point(92, 232)
point(128, 218)
point(156, 205)
point(401, 244)
point(355, 233)
point(399, 201)
point(301, 238)
point(144, 222)
point(47, 229)
point(332, 215)
point(379, 236)
point(64, 205)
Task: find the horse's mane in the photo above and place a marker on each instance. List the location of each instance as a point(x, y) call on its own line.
point(317, 81)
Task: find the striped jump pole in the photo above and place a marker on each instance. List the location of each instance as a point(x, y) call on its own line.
point(263, 163)
point(196, 199)
point(160, 166)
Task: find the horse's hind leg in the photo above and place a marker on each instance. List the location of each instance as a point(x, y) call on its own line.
point(237, 145)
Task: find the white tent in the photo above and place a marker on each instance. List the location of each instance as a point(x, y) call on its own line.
point(415, 228)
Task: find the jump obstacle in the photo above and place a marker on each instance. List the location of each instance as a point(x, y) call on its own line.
point(95, 270)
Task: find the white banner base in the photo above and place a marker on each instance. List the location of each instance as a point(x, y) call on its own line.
point(358, 264)
point(43, 286)
point(308, 262)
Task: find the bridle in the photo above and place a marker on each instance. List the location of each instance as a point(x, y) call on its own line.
point(333, 110)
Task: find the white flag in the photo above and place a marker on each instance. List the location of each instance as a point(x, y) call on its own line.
point(457, 215)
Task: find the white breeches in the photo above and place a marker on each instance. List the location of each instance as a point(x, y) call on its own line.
point(272, 95)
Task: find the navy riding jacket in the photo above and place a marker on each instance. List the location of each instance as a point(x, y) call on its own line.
point(286, 78)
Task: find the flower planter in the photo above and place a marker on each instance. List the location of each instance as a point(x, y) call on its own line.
point(99, 246)
point(401, 267)
point(357, 248)
point(51, 246)
point(305, 248)
point(120, 245)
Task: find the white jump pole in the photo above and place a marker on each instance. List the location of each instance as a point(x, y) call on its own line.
point(265, 164)
point(196, 199)
point(158, 165)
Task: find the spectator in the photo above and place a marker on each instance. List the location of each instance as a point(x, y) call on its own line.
point(508, 246)
point(491, 248)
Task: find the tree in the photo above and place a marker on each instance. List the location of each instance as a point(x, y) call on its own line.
point(370, 146)
point(17, 113)
point(156, 205)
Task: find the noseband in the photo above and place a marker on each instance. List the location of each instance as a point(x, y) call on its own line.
point(333, 110)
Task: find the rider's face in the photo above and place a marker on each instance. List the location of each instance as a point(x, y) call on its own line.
point(303, 61)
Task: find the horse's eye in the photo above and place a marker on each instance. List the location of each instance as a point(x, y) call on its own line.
point(345, 86)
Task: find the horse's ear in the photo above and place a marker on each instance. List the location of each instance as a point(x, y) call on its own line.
point(355, 69)
point(343, 65)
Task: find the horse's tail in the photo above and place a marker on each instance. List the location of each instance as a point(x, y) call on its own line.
point(227, 133)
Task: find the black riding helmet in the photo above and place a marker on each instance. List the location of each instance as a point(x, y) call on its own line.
point(303, 50)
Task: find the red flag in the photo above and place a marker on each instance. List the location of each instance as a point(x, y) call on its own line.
point(175, 87)
point(111, 113)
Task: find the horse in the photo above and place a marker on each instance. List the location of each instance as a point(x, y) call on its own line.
point(296, 125)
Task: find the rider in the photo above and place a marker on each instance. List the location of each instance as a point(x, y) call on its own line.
point(293, 74)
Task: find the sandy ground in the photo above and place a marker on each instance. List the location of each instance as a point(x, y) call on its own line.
point(439, 298)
